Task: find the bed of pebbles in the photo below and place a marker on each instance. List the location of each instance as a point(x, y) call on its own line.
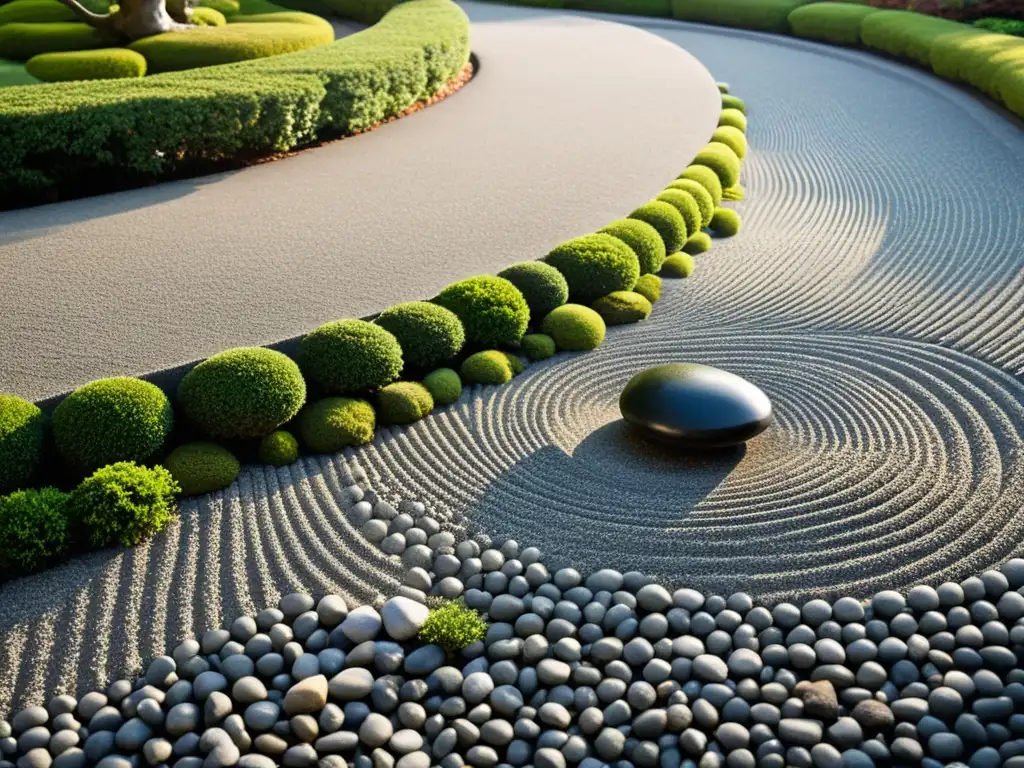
point(606, 669)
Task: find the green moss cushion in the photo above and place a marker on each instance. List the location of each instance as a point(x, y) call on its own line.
point(242, 393)
point(594, 265)
point(38, 11)
point(124, 503)
point(735, 192)
point(575, 328)
point(764, 15)
point(492, 310)
point(350, 356)
point(207, 17)
point(707, 178)
point(334, 423)
point(621, 307)
point(649, 286)
point(279, 449)
point(488, 367)
point(100, 64)
point(538, 346)
point(733, 138)
point(444, 386)
point(22, 41)
point(722, 160)
point(34, 529)
point(733, 102)
point(905, 34)
point(666, 220)
point(734, 118)
point(22, 431)
point(202, 468)
point(680, 265)
point(542, 286)
point(726, 222)
point(119, 419)
point(699, 243)
point(404, 402)
point(700, 195)
point(686, 205)
point(428, 333)
point(225, 7)
point(836, 23)
point(643, 240)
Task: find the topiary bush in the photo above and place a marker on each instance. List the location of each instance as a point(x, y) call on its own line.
point(404, 402)
point(700, 195)
point(123, 503)
point(621, 307)
point(515, 362)
point(279, 449)
point(725, 222)
point(22, 431)
point(35, 11)
point(428, 333)
point(699, 243)
point(100, 64)
point(649, 286)
point(202, 467)
point(707, 179)
point(733, 118)
point(492, 310)
point(764, 15)
point(687, 206)
point(334, 423)
point(453, 626)
point(574, 328)
point(733, 102)
point(488, 367)
point(905, 34)
point(22, 41)
point(836, 23)
point(594, 265)
point(207, 17)
point(444, 385)
point(538, 346)
point(34, 530)
point(643, 240)
point(118, 419)
point(666, 220)
point(242, 393)
point(542, 286)
point(722, 160)
point(348, 356)
point(680, 265)
point(733, 138)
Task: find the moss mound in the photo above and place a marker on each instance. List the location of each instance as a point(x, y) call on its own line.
point(22, 431)
point(515, 362)
point(649, 286)
point(124, 503)
point(836, 23)
point(279, 449)
point(35, 11)
point(680, 265)
point(725, 222)
point(666, 220)
point(542, 286)
point(735, 192)
point(34, 530)
point(444, 385)
point(733, 118)
point(687, 206)
point(100, 64)
point(242, 393)
point(119, 419)
point(642, 239)
point(764, 15)
point(22, 41)
point(349, 356)
point(722, 160)
point(733, 102)
point(492, 310)
point(208, 17)
point(224, 7)
point(700, 195)
point(699, 243)
point(621, 307)
point(538, 346)
point(488, 367)
point(594, 265)
point(575, 328)
point(404, 402)
point(722, 87)
point(733, 138)
point(202, 468)
point(707, 178)
point(428, 333)
point(334, 423)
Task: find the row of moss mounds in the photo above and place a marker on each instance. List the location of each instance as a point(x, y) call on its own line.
point(106, 464)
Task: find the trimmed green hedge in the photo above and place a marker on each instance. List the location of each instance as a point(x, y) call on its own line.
point(707, 178)
point(542, 286)
point(99, 64)
point(444, 386)
point(35, 11)
point(765, 15)
point(404, 402)
point(334, 423)
point(349, 356)
point(22, 431)
point(685, 203)
point(575, 328)
point(622, 307)
point(666, 220)
point(659, 8)
point(643, 240)
point(904, 33)
point(722, 160)
point(279, 449)
point(700, 195)
point(594, 265)
point(538, 346)
point(490, 367)
point(492, 310)
point(428, 334)
point(837, 23)
point(202, 468)
point(21, 41)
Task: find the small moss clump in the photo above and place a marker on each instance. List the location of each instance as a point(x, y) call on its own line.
point(538, 346)
point(404, 402)
point(488, 367)
point(515, 362)
point(725, 222)
point(669, 223)
point(207, 17)
point(643, 240)
point(734, 118)
point(124, 503)
point(621, 307)
point(687, 206)
point(492, 310)
point(575, 328)
point(279, 449)
point(722, 87)
point(699, 243)
point(334, 423)
point(348, 356)
point(733, 138)
point(680, 265)
point(700, 195)
point(202, 467)
point(22, 430)
point(735, 192)
point(34, 530)
point(542, 286)
point(102, 64)
point(649, 286)
point(722, 160)
point(707, 179)
point(733, 102)
point(428, 334)
point(444, 386)
point(594, 265)
point(453, 626)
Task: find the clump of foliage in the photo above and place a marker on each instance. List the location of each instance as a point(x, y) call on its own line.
point(733, 102)
point(124, 503)
point(649, 286)
point(21, 41)
point(542, 286)
point(34, 530)
point(515, 362)
point(574, 328)
point(207, 17)
point(334, 423)
point(492, 310)
point(22, 431)
point(722, 160)
point(1001, 26)
point(490, 366)
point(242, 393)
point(538, 346)
point(279, 449)
point(101, 64)
point(726, 222)
point(680, 265)
point(444, 386)
point(118, 419)
point(621, 307)
point(643, 240)
point(765, 15)
point(202, 467)
point(735, 192)
point(428, 333)
point(686, 205)
point(707, 179)
point(705, 203)
point(837, 23)
point(594, 265)
point(733, 138)
point(666, 220)
point(453, 626)
point(349, 356)
point(733, 118)
point(404, 402)
point(699, 243)
point(35, 11)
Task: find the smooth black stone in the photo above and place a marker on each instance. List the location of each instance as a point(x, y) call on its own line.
point(695, 406)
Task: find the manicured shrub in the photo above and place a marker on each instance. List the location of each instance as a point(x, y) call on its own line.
point(836, 23)
point(994, 24)
point(699, 243)
point(225, 7)
point(124, 503)
point(722, 160)
point(119, 419)
point(22, 430)
point(574, 328)
point(488, 367)
point(707, 179)
point(594, 265)
point(334, 423)
point(764, 15)
point(733, 118)
point(538, 346)
point(207, 17)
point(657, 8)
point(492, 310)
point(279, 449)
point(733, 138)
point(242, 393)
point(642, 239)
point(722, 87)
point(666, 220)
point(686, 205)
point(621, 307)
point(444, 385)
point(22, 41)
point(700, 195)
point(977, 58)
point(34, 530)
point(680, 265)
point(453, 626)
point(649, 286)
point(515, 362)
point(725, 222)
point(101, 64)
point(35, 11)
point(365, 11)
point(733, 102)
point(735, 192)
point(348, 356)
point(428, 333)
point(542, 286)
point(905, 34)
point(404, 402)
point(202, 468)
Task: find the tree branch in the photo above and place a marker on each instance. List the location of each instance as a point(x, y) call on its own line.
point(101, 21)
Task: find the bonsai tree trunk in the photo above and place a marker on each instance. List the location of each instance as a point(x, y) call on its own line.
point(135, 19)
